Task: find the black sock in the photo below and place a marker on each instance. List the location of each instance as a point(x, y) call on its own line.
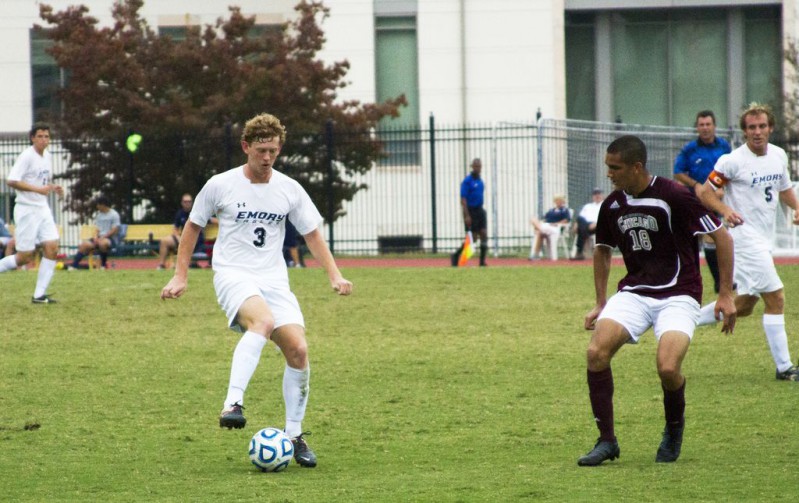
point(674, 405)
point(600, 391)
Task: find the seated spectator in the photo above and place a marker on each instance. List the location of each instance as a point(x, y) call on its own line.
point(6, 240)
point(169, 244)
point(108, 223)
point(550, 228)
point(291, 248)
point(585, 224)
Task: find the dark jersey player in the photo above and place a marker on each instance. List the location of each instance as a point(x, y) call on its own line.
point(654, 222)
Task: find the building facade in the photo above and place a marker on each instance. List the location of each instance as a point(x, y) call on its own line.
point(484, 61)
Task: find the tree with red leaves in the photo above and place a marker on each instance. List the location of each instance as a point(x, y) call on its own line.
point(187, 98)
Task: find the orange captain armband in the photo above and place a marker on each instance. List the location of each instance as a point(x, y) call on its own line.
point(716, 179)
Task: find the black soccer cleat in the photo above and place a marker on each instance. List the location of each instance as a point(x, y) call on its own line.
point(232, 417)
point(603, 449)
point(303, 454)
point(792, 374)
point(670, 446)
point(44, 299)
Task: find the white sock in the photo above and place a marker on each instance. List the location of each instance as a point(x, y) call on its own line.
point(245, 360)
point(295, 393)
point(774, 325)
point(8, 263)
point(46, 270)
point(706, 316)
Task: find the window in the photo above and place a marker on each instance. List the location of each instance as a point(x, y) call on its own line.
point(580, 66)
point(763, 56)
point(661, 66)
point(176, 33)
point(46, 78)
point(397, 73)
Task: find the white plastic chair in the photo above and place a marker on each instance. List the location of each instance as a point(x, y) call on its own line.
point(564, 239)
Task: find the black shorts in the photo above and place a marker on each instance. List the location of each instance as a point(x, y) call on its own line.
point(479, 219)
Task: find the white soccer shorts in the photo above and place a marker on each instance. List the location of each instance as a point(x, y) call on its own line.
point(232, 289)
point(755, 272)
point(34, 225)
point(637, 313)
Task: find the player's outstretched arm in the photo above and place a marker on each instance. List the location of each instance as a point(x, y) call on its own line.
point(725, 305)
point(318, 247)
point(188, 240)
point(711, 199)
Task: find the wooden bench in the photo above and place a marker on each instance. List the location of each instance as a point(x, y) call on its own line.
point(138, 238)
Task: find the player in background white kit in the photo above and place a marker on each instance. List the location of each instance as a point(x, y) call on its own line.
point(31, 177)
point(252, 203)
point(752, 180)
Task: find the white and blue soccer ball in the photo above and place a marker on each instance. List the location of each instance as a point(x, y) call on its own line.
point(271, 450)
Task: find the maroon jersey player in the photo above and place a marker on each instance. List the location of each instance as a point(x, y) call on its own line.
point(654, 222)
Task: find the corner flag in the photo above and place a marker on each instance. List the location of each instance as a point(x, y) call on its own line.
point(468, 250)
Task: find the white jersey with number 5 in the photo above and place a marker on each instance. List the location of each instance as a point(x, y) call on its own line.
point(252, 221)
point(752, 186)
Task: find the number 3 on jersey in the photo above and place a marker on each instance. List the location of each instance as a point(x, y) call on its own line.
point(260, 237)
point(641, 240)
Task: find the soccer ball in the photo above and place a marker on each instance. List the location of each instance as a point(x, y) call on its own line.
point(271, 450)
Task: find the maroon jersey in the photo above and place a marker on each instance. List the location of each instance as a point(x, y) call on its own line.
point(657, 235)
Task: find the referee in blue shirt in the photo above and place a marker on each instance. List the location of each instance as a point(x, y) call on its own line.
point(694, 163)
point(474, 215)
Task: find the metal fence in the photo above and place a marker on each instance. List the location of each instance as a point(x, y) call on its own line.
point(411, 200)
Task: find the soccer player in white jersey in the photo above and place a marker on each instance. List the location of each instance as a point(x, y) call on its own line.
point(745, 187)
point(252, 203)
point(32, 177)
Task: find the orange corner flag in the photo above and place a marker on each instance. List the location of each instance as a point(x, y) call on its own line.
point(468, 250)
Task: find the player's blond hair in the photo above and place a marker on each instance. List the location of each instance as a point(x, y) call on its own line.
point(757, 109)
point(263, 127)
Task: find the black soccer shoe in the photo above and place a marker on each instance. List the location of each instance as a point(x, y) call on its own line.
point(792, 374)
point(670, 446)
point(603, 449)
point(232, 417)
point(44, 299)
point(303, 454)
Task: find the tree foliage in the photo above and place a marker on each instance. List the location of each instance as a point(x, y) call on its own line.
point(189, 99)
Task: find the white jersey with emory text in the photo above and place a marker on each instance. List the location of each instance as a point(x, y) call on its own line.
point(33, 169)
point(752, 188)
point(252, 221)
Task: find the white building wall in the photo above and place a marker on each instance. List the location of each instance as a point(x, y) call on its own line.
point(512, 53)
point(17, 17)
point(509, 63)
point(350, 36)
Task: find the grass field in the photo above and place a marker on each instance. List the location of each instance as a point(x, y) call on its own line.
point(434, 384)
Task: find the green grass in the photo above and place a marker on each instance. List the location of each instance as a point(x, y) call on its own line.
point(436, 385)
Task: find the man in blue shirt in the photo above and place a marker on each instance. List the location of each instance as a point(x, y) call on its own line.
point(474, 216)
point(694, 162)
